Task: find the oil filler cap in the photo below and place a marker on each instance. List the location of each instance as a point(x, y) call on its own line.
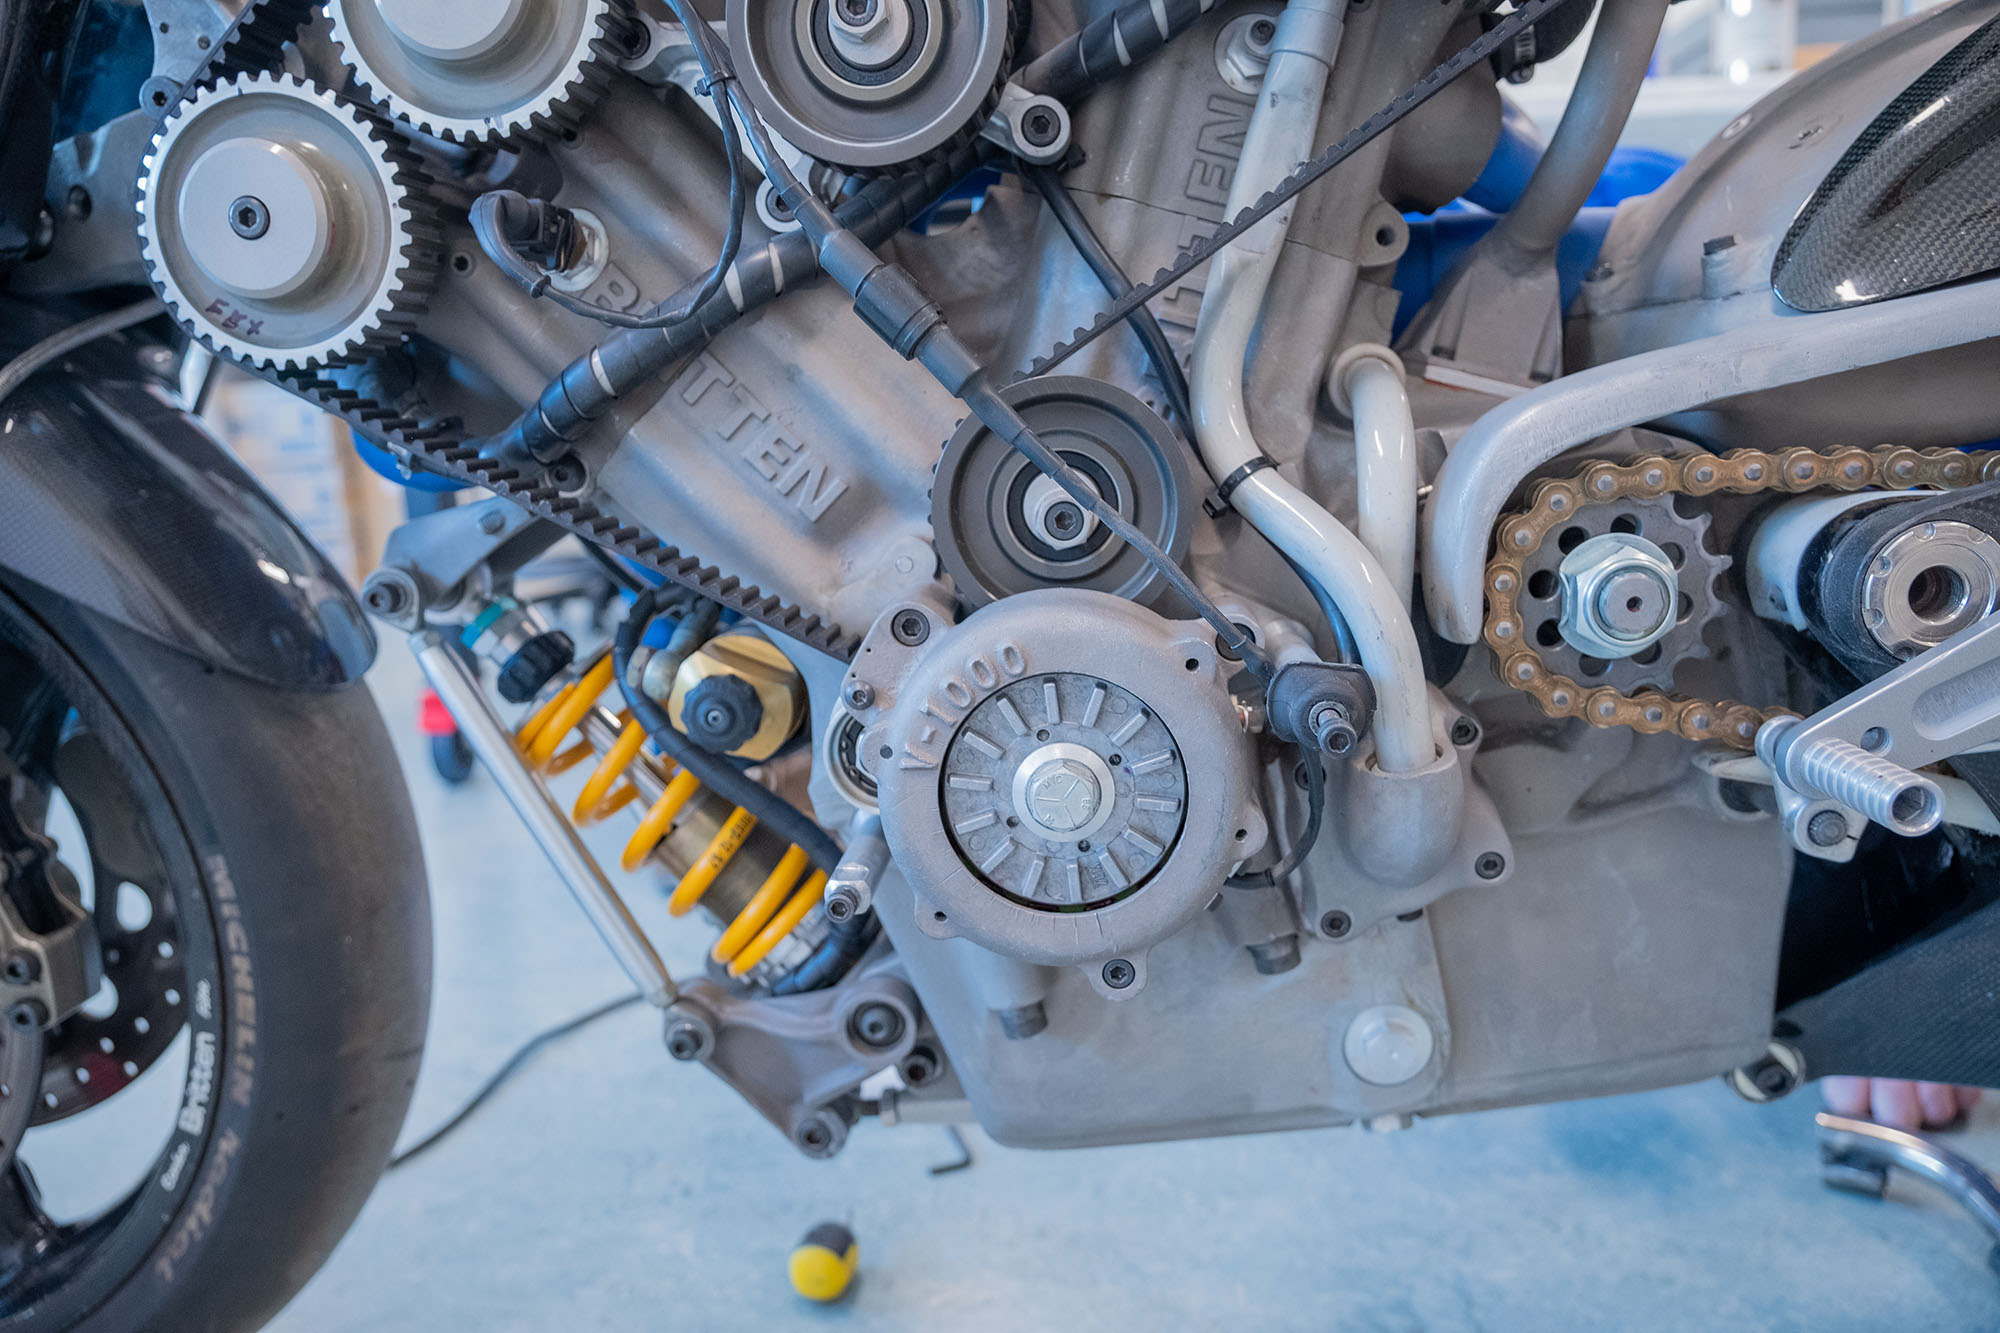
point(721, 712)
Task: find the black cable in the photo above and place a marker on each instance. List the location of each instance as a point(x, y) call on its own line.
point(520, 1057)
point(1315, 817)
point(1166, 366)
point(486, 210)
point(620, 573)
point(713, 771)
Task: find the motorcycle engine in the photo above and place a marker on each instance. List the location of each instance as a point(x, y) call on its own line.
point(1080, 784)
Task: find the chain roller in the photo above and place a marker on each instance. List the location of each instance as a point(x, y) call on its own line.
point(1553, 502)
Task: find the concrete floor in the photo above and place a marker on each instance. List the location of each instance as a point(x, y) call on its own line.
point(609, 1188)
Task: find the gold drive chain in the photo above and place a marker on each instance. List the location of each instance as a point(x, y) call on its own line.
point(1553, 502)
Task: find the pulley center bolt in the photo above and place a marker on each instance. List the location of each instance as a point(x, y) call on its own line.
point(248, 217)
point(1054, 518)
point(870, 34)
point(1064, 795)
point(1620, 595)
point(450, 30)
point(1063, 792)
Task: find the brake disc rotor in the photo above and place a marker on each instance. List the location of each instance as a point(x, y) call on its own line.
point(98, 1050)
point(869, 84)
point(1003, 528)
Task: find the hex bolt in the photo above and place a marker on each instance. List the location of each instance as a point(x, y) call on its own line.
point(385, 599)
point(568, 473)
point(877, 1024)
point(248, 217)
point(842, 903)
point(1119, 973)
point(1332, 728)
point(1828, 828)
point(1335, 925)
point(19, 970)
point(820, 1135)
point(684, 1040)
point(1490, 865)
point(1464, 732)
point(910, 627)
point(1041, 127)
point(920, 1066)
point(860, 695)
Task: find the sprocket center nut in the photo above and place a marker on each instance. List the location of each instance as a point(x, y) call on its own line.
point(1063, 776)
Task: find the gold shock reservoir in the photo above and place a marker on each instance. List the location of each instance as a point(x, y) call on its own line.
point(738, 694)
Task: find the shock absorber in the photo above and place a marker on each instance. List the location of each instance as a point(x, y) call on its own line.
point(753, 883)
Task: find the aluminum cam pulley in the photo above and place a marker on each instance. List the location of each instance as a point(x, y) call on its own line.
point(282, 227)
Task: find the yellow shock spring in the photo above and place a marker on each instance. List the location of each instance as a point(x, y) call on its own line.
point(779, 904)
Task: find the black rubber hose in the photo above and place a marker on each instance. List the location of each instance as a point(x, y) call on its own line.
point(846, 941)
point(713, 771)
point(1166, 366)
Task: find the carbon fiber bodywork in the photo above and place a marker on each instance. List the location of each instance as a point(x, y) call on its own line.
point(1914, 203)
point(114, 497)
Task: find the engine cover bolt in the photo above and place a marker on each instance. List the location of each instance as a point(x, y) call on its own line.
point(910, 628)
point(1119, 973)
point(1335, 925)
point(684, 1040)
point(878, 1024)
point(1040, 127)
point(860, 695)
point(1490, 865)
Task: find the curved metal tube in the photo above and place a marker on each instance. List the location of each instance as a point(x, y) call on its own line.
point(1613, 68)
point(1511, 441)
point(1849, 1142)
point(1279, 138)
point(1385, 459)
